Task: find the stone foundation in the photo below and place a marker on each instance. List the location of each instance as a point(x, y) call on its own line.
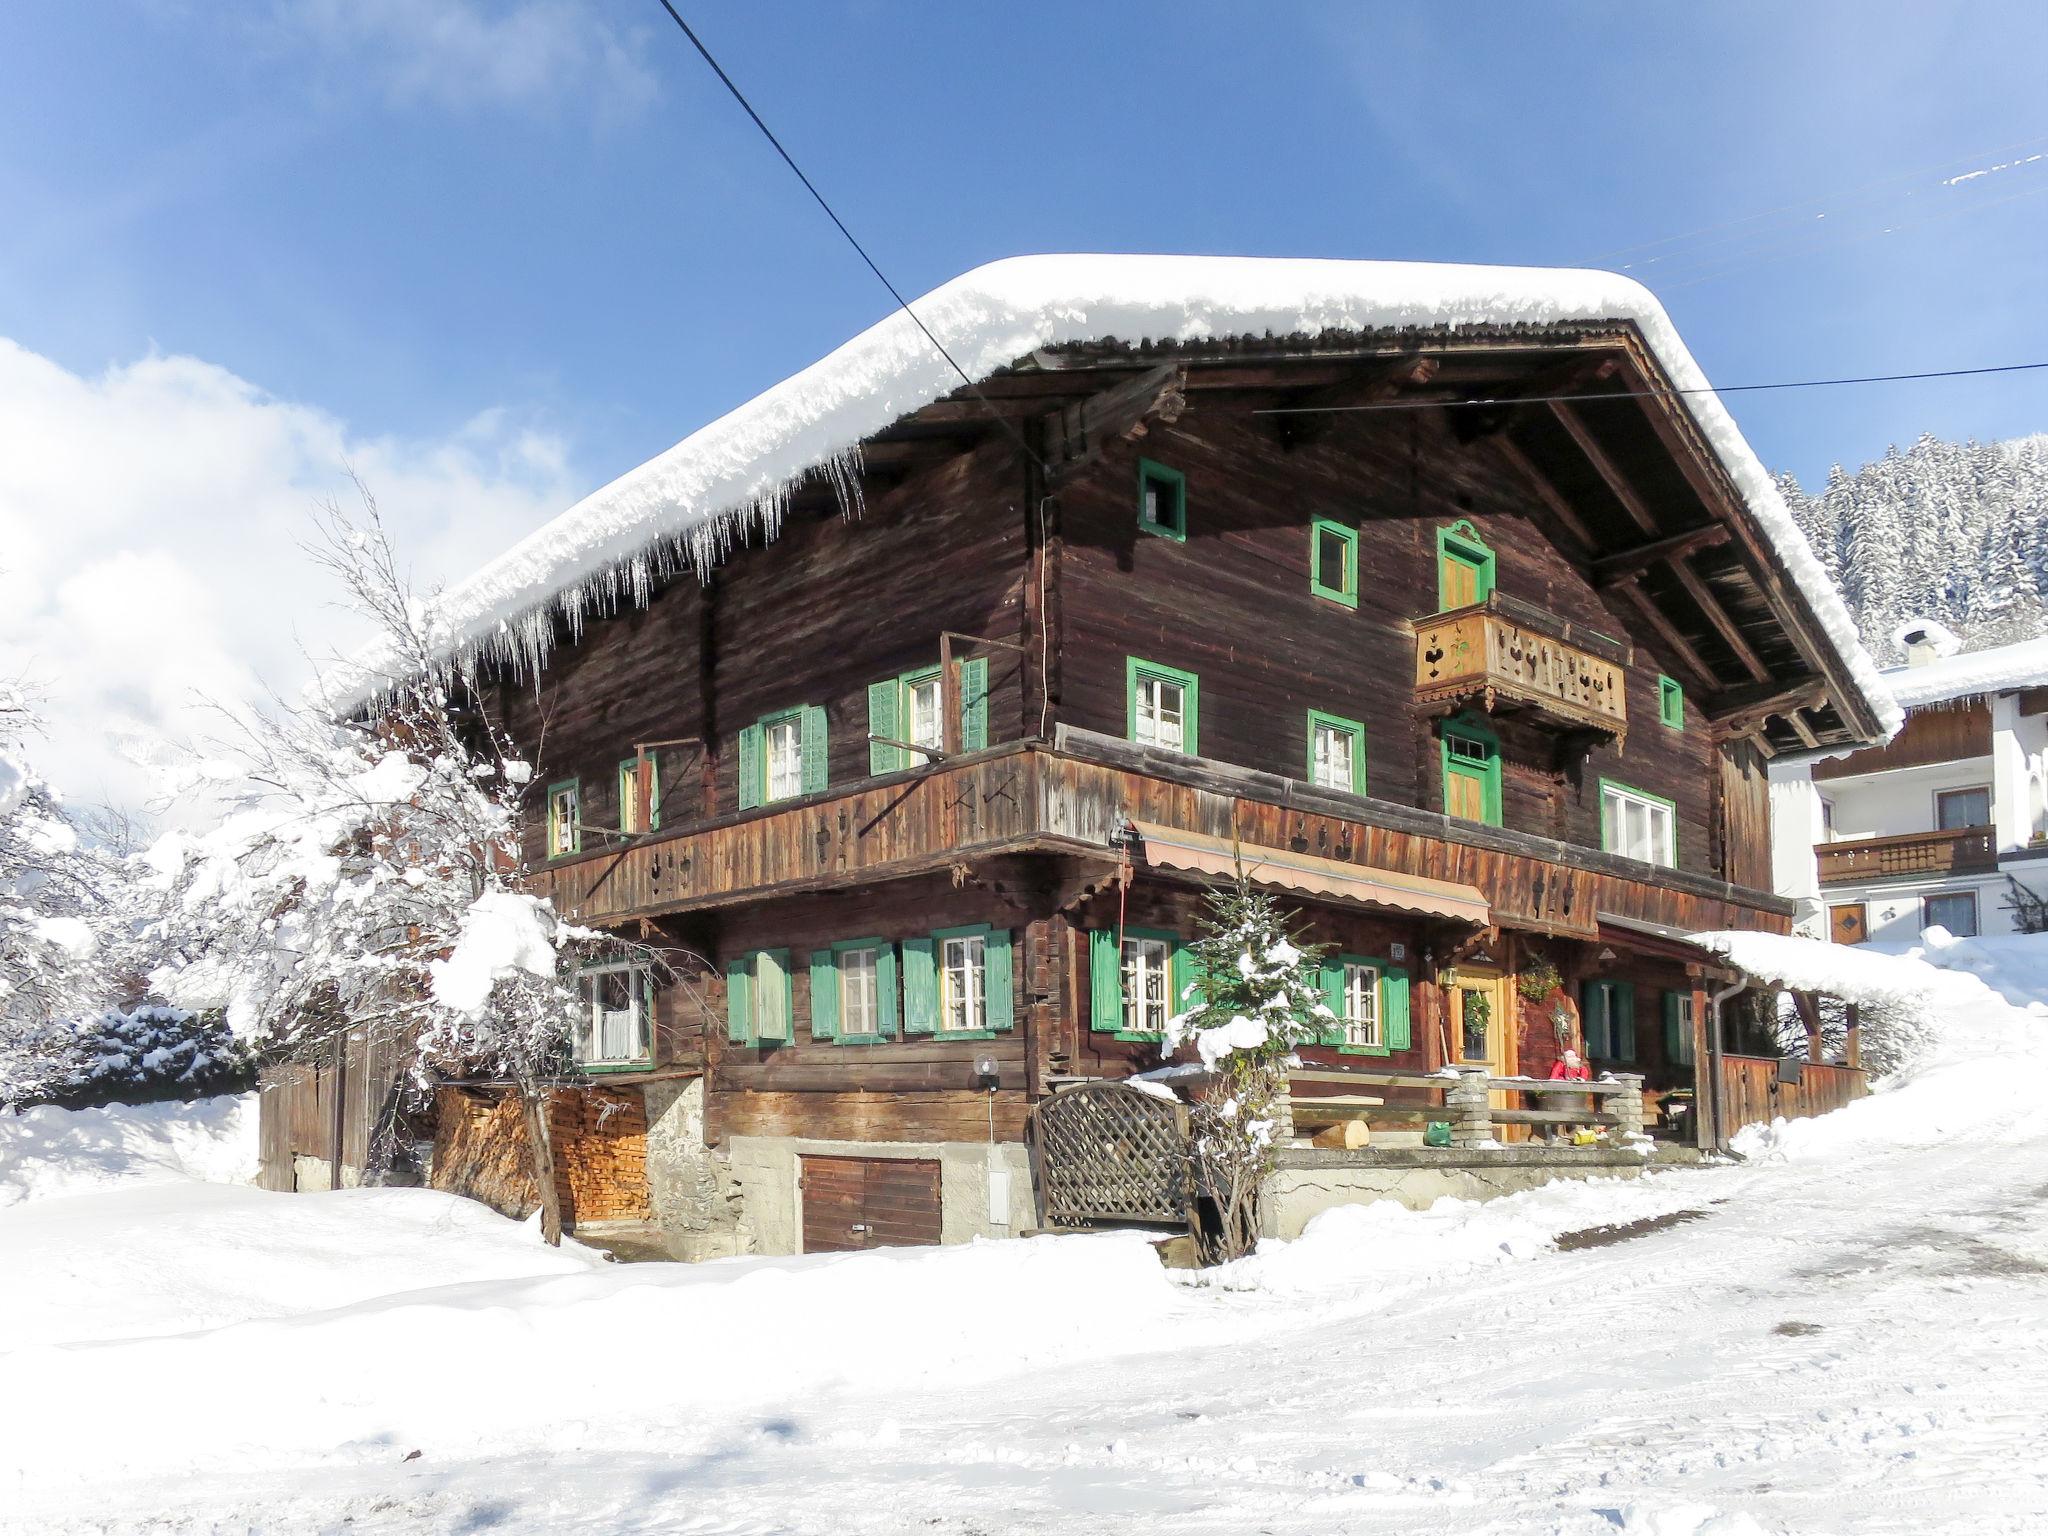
point(765, 1170)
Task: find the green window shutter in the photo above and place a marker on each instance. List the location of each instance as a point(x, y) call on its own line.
point(974, 704)
point(1183, 974)
point(884, 699)
point(1674, 1052)
point(1589, 1004)
point(886, 986)
point(812, 729)
point(1624, 1004)
point(775, 1005)
point(1333, 999)
point(824, 996)
point(752, 748)
point(920, 987)
point(739, 1004)
point(1105, 981)
point(998, 1008)
point(1394, 1025)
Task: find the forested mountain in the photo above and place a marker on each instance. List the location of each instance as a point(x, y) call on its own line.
point(1950, 531)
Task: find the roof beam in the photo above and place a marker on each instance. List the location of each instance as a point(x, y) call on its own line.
point(1582, 545)
point(1797, 720)
point(1609, 569)
point(1308, 415)
point(1609, 472)
point(1697, 589)
point(1074, 438)
point(1744, 711)
point(1702, 675)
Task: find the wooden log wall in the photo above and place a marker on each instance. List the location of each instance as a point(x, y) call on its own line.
point(1233, 605)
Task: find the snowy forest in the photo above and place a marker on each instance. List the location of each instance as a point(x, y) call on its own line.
point(1950, 531)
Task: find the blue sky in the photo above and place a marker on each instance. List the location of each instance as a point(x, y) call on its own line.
point(496, 251)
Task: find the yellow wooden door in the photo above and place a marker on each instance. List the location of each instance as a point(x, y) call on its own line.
point(1464, 793)
point(1483, 1033)
point(1459, 582)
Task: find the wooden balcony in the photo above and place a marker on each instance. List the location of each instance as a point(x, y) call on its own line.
point(1517, 660)
point(1973, 850)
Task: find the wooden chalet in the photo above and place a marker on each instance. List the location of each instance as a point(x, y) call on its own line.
point(934, 775)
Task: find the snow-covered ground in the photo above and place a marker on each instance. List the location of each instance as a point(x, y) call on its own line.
point(1847, 1333)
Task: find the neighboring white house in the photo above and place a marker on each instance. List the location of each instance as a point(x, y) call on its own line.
point(1932, 827)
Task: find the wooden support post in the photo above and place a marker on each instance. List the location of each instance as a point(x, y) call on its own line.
point(1703, 1085)
point(1852, 1050)
point(1809, 1015)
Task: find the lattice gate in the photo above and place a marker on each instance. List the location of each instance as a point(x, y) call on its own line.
point(1106, 1153)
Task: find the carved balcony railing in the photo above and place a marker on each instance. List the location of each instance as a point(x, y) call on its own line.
point(1971, 850)
point(1512, 659)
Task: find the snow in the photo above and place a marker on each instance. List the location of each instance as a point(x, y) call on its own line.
point(48, 1152)
point(504, 933)
point(729, 481)
point(1846, 1333)
point(2000, 669)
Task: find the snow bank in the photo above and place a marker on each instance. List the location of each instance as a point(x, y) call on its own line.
point(48, 1152)
point(731, 479)
point(2003, 667)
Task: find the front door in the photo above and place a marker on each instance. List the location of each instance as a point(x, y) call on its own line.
point(1846, 923)
point(1482, 1032)
point(850, 1203)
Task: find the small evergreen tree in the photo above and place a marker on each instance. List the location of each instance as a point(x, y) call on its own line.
point(1255, 997)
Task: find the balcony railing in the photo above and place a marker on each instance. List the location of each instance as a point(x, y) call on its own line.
point(1972, 850)
point(1517, 660)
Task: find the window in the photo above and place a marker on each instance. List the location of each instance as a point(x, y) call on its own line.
point(1147, 985)
point(1162, 500)
point(853, 992)
point(633, 802)
point(1465, 567)
point(1336, 753)
point(1954, 910)
point(1163, 704)
point(758, 1006)
point(782, 756)
point(1958, 809)
point(1678, 1023)
point(612, 1028)
point(1472, 777)
point(1671, 703)
point(1368, 1003)
point(565, 818)
point(1636, 825)
point(1333, 562)
point(1607, 1013)
point(905, 713)
point(1137, 979)
point(961, 978)
point(1361, 1014)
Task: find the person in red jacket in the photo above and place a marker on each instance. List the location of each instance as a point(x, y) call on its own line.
point(1570, 1068)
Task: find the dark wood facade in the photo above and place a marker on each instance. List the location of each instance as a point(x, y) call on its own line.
point(1607, 522)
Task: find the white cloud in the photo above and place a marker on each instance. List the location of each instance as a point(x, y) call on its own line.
point(470, 53)
point(151, 524)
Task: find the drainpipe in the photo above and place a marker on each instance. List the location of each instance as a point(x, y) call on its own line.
point(1714, 1052)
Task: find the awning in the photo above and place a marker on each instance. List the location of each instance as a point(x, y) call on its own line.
point(1661, 940)
point(1171, 848)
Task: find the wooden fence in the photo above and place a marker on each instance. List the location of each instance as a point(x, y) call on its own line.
point(1472, 1103)
point(298, 1115)
point(1764, 1088)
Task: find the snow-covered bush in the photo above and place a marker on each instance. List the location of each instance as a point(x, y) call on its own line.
point(131, 1056)
point(1255, 997)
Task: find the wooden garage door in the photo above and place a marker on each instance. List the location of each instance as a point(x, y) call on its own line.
point(869, 1202)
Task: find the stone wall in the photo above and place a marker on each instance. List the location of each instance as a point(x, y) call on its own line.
point(765, 1170)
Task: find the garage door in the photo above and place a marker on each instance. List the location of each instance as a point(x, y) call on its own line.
point(869, 1202)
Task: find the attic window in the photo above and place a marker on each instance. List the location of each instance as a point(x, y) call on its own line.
point(1333, 562)
point(1671, 703)
point(1162, 500)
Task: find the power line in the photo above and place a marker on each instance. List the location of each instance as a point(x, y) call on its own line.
point(1646, 394)
point(840, 224)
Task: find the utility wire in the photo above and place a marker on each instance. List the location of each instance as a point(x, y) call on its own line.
point(1645, 394)
point(840, 224)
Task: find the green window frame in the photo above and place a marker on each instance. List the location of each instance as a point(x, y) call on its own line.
point(811, 755)
point(1396, 1027)
point(1473, 737)
point(1355, 729)
point(755, 981)
point(828, 1014)
point(889, 713)
point(1624, 792)
point(1165, 491)
point(1607, 1020)
point(1340, 586)
point(565, 835)
point(1107, 1005)
point(628, 796)
point(1459, 543)
point(586, 1031)
point(1137, 672)
point(924, 983)
point(1670, 702)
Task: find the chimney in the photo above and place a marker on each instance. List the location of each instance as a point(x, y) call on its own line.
point(1925, 640)
point(1920, 649)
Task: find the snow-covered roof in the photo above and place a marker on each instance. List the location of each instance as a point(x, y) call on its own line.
point(686, 506)
point(2021, 665)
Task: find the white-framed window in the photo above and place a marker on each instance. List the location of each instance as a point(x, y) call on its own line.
point(1954, 910)
point(783, 744)
point(1362, 1005)
point(1336, 756)
point(1958, 810)
point(921, 710)
point(1162, 712)
point(639, 805)
point(1148, 986)
point(1637, 826)
point(565, 811)
point(962, 973)
point(613, 1028)
point(860, 992)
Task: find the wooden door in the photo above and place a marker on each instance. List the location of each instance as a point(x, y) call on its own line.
point(1459, 579)
point(851, 1203)
point(1847, 923)
point(1482, 1029)
point(1464, 792)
